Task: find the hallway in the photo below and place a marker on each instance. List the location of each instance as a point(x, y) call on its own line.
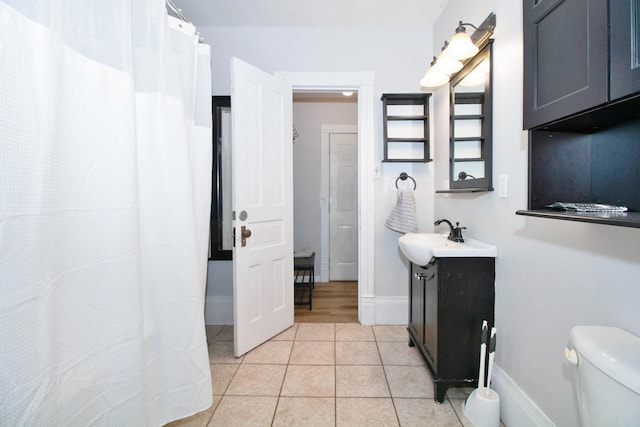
point(324, 374)
point(333, 302)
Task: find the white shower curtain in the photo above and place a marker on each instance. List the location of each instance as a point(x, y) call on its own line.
point(105, 183)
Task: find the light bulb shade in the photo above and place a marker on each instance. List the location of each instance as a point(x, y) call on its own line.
point(447, 65)
point(474, 78)
point(434, 79)
point(477, 76)
point(460, 47)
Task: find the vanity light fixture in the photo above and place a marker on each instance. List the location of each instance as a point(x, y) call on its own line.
point(438, 73)
point(460, 46)
point(458, 50)
point(433, 79)
point(477, 76)
point(446, 65)
point(347, 93)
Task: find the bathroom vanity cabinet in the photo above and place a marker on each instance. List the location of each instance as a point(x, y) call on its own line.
point(448, 300)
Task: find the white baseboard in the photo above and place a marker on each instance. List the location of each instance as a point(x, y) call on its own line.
point(391, 310)
point(367, 309)
point(218, 310)
point(324, 272)
point(516, 409)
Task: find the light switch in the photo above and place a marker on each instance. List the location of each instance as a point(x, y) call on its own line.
point(377, 170)
point(502, 186)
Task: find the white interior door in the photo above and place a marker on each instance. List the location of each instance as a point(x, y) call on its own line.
point(263, 205)
point(343, 206)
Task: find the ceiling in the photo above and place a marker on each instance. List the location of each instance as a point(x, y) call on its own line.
point(311, 13)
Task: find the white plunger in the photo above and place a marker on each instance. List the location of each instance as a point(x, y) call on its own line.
point(483, 353)
point(482, 407)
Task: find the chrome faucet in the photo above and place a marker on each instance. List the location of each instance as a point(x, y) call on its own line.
point(455, 233)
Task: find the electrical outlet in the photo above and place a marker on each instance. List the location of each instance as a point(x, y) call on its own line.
point(502, 186)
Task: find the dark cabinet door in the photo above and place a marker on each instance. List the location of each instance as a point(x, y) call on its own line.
point(565, 58)
point(416, 306)
point(624, 18)
point(431, 303)
point(467, 298)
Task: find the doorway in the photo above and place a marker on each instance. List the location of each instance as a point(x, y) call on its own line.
point(326, 200)
point(363, 83)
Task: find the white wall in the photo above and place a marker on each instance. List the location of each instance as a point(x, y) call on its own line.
point(398, 57)
point(550, 274)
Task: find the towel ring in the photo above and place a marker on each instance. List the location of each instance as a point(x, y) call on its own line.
point(403, 176)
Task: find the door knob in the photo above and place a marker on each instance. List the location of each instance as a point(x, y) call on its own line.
point(245, 233)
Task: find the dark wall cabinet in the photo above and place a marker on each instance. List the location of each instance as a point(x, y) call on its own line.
point(582, 106)
point(579, 55)
point(449, 299)
point(624, 44)
point(565, 58)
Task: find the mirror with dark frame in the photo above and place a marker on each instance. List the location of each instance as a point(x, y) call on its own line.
point(470, 148)
point(221, 235)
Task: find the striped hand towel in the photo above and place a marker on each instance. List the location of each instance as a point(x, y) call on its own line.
point(403, 215)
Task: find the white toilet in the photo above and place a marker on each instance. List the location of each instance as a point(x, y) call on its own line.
point(607, 375)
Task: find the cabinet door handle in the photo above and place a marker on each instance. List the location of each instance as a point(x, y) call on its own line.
point(421, 276)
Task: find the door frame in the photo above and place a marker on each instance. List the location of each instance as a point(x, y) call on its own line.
point(363, 83)
point(325, 223)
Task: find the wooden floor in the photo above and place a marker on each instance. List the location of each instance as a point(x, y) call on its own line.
point(333, 302)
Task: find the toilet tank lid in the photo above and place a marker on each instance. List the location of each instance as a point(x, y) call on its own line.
point(612, 350)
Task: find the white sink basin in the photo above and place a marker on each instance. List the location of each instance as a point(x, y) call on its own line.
point(419, 248)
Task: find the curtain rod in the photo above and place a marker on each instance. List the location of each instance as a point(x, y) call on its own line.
point(178, 12)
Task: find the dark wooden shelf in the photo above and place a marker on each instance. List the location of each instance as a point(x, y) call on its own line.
point(626, 219)
point(599, 118)
point(467, 190)
point(469, 117)
point(468, 159)
point(417, 140)
point(405, 118)
point(392, 149)
point(407, 160)
point(598, 167)
point(469, 138)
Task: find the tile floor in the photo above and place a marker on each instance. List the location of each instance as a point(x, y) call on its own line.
point(325, 374)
